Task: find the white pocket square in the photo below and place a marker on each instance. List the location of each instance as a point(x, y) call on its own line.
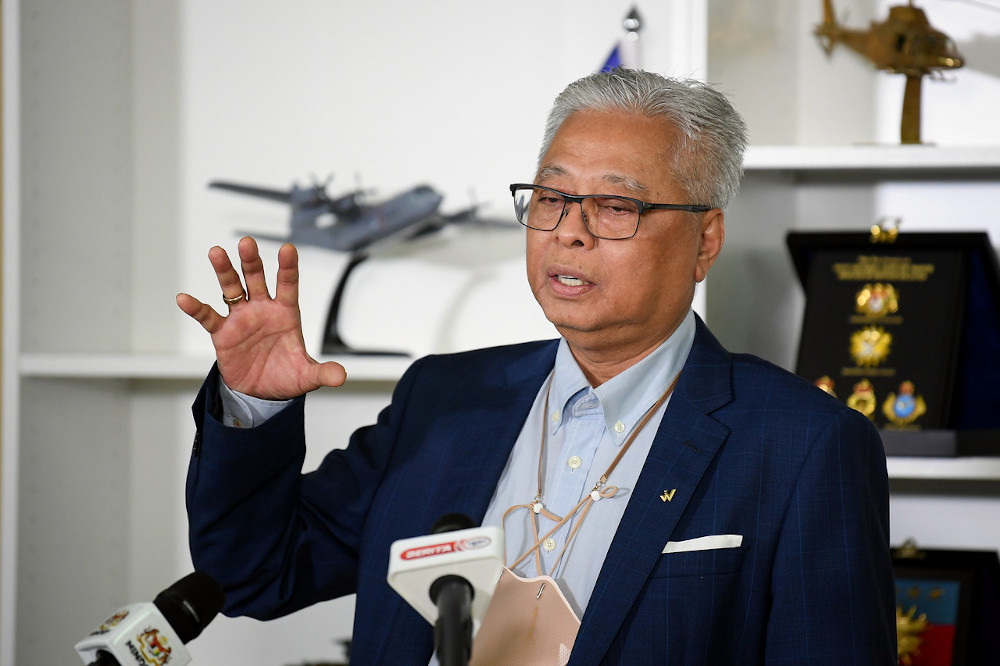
point(711, 542)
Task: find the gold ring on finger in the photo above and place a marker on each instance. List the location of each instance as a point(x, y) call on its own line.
point(234, 300)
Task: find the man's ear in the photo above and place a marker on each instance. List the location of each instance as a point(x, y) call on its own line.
point(713, 235)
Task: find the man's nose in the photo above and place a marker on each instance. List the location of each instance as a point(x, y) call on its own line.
point(572, 227)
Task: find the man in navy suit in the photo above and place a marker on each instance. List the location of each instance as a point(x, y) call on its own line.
point(693, 506)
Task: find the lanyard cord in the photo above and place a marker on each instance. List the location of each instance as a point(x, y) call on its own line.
point(600, 491)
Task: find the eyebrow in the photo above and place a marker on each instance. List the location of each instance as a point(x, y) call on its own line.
point(626, 181)
point(548, 171)
point(611, 178)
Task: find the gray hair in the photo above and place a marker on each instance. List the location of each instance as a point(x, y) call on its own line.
point(707, 163)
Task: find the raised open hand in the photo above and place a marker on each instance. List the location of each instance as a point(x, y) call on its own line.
point(259, 345)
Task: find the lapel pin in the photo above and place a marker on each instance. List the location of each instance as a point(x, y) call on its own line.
point(668, 495)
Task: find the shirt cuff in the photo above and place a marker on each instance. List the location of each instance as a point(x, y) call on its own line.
point(240, 410)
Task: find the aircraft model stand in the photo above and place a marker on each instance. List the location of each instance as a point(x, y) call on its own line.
point(333, 344)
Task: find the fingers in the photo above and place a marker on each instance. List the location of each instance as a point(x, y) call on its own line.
point(209, 319)
point(229, 279)
point(253, 268)
point(287, 286)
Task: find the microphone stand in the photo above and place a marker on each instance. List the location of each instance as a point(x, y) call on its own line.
point(453, 629)
point(453, 596)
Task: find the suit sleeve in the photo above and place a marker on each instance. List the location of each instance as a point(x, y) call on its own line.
point(278, 540)
point(833, 592)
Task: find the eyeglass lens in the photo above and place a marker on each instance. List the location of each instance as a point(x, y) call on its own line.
point(605, 217)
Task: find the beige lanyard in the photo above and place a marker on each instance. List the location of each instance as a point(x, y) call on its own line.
point(600, 491)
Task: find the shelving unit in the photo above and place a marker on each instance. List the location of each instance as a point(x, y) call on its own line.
point(834, 188)
point(837, 188)
point(945, 469)
point(876, 162)
point(161, 367)
point(152, 369)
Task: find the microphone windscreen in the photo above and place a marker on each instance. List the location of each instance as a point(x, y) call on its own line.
point(451, 522)
point(190, 604)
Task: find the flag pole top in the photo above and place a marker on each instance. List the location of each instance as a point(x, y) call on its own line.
point(633, 24)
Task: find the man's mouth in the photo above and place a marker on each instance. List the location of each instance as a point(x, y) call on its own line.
point(570, 281)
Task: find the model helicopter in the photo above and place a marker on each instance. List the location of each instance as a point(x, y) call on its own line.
point(905, 43)
point(357, 229)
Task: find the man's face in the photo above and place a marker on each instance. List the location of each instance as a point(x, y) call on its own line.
point(619, 296)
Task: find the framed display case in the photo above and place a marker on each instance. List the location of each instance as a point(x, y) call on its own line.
point(947, 606)
point(905, 328)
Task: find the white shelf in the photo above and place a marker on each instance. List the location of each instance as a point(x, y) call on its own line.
point(389, 369)
point(873, 157)
point(167, 366)
point(955, 469)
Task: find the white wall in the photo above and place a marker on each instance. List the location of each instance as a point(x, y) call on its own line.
point(384, 95)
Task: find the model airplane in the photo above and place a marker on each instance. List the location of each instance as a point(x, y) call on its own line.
point(357, 229)
point(905, 43)
point(356, 226)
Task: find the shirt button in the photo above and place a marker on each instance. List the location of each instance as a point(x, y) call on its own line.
point(619, 427)
point(549, 545)
point(574, 462)
point(555, 417)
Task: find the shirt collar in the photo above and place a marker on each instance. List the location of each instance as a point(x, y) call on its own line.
point(626, 397)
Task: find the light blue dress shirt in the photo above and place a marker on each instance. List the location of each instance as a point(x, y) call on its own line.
point(586, 428)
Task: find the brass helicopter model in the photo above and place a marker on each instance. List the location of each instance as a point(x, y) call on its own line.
point(905, 43)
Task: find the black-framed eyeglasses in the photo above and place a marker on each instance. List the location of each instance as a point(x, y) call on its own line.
point(606, 216)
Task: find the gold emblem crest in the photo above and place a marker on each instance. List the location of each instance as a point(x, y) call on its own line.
point(863, 398)
point(877, 299)
point(870, 346)
point(826, 384)
point(909, 634)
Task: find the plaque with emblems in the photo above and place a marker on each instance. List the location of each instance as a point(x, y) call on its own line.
point(905, 329)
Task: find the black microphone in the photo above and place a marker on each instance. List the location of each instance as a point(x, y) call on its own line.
point(155, 633)
point(453, 596)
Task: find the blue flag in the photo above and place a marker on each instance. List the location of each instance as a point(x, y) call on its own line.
point(613, 60)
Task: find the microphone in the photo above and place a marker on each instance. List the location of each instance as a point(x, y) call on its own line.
point(154, 634)
point(449, 577)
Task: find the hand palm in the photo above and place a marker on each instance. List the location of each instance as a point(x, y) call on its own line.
point(259, 346)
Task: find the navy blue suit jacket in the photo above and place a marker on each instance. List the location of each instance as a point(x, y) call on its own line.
point(745, 447)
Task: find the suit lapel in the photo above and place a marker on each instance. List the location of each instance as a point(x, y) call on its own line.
point(684, 446)
point(477, 447)
point(473, 447)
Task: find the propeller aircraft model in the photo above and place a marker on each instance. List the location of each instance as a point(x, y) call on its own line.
point(357, 229)
point(904, 43)
point(355, 226)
